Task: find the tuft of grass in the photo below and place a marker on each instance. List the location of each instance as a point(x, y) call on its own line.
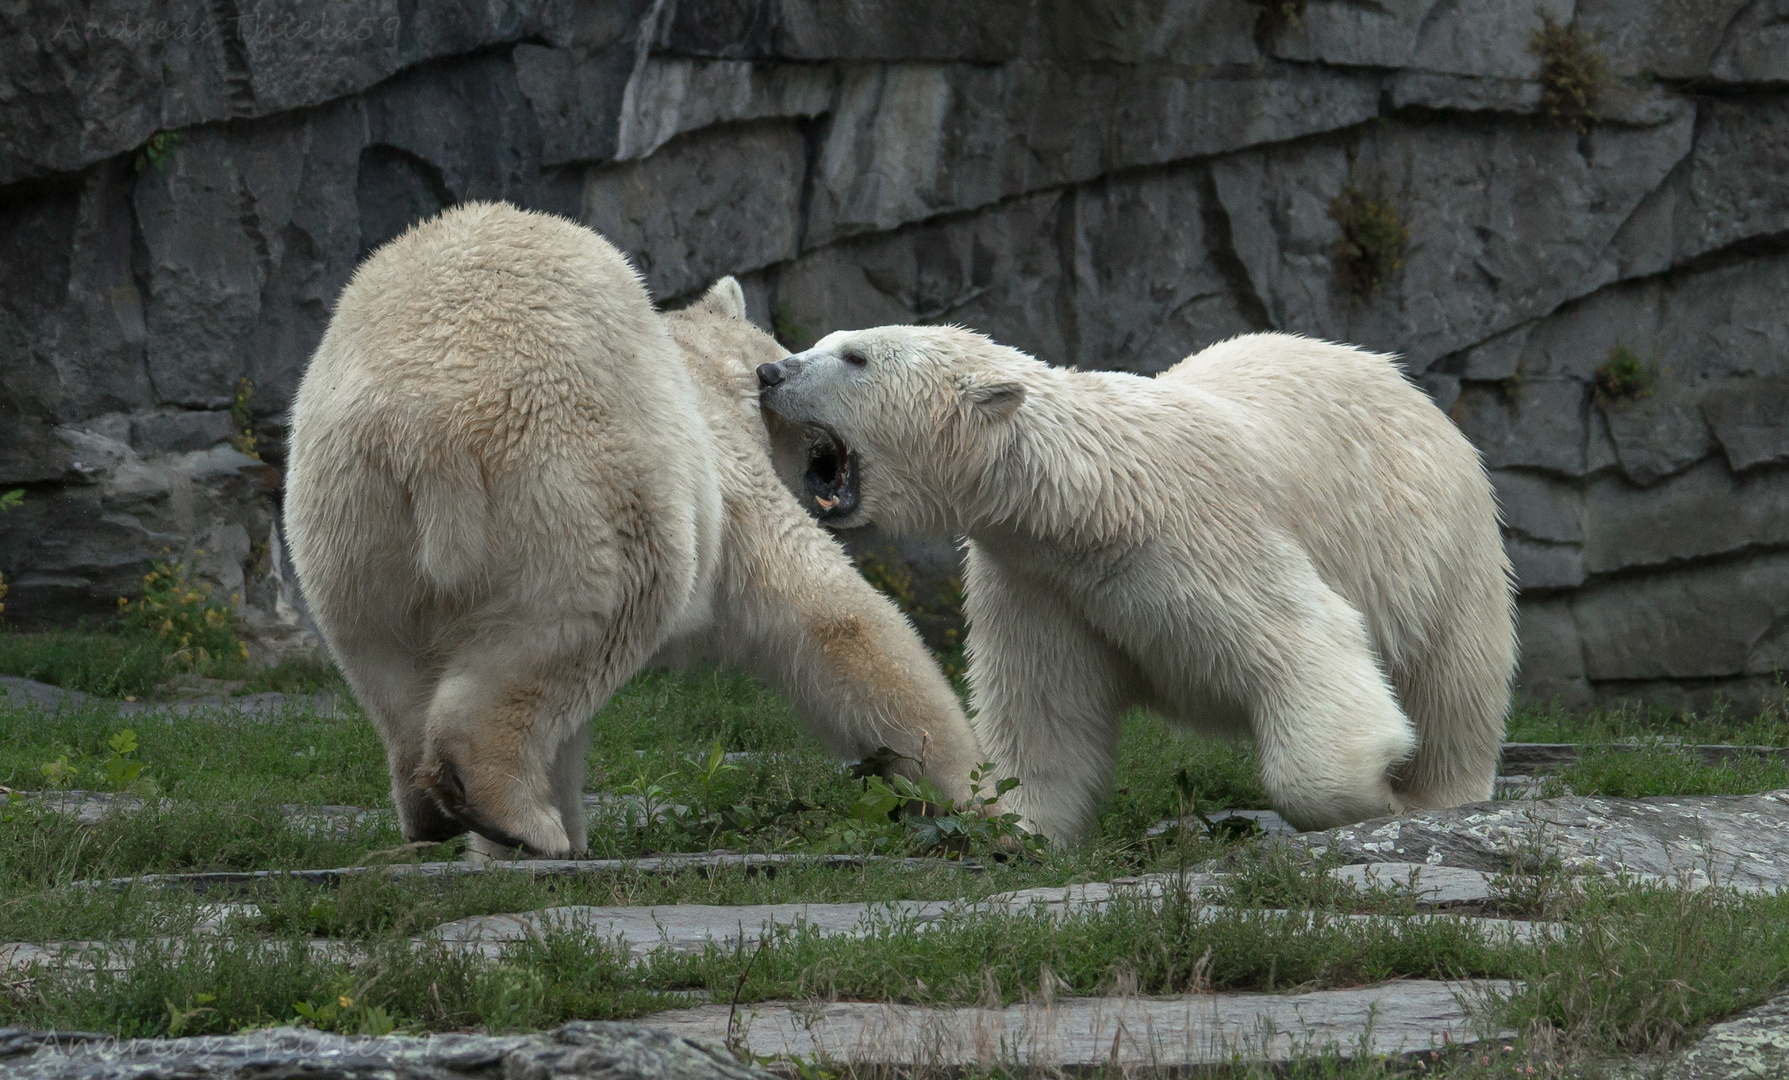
point(1641, 970)
point(1373, 241)
point(1665, 769)
point(1625, 376)
point(1632, 722)
point(1573, 74)
point(112, 665)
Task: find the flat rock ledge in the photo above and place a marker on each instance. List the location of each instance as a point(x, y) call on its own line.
point(1754, 1045)
point(584, 1049)
point(1734, 841)
point(21, 693)
point(1400, 1017)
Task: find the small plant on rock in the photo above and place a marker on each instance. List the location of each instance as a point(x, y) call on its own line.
point(1625, 376)
point(1573, 74)
point(244, 419)
point(1374, 238)
point(157, 150)
point(184, 616)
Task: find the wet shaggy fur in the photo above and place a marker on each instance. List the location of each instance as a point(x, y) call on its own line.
point(1280, 538)
point(513, 483)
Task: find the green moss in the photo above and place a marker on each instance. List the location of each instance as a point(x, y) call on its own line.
point(1625, 376)
point(1573, 74)
point(1371, 247)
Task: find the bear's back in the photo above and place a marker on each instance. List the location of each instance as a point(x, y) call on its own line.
point(515, 328)
point(1363, 464)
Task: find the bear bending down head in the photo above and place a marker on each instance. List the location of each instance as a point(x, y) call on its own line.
point(513, 483)
point(1280, 538)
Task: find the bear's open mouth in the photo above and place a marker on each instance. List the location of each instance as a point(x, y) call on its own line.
point(830, 482)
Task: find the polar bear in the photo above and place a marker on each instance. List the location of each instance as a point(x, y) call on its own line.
point(1278, 537)
point(513, 483)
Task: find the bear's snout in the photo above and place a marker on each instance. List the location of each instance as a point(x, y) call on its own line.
point(771, 374)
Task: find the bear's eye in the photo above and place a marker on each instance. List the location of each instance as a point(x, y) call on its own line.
point(855, 359)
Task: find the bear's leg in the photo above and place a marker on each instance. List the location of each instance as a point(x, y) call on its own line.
point(1048, 695)
point(509, 723)
point(566, 780)
point(1457, 694)
point(1328, 731)
point(383, 664)
point(807, 624)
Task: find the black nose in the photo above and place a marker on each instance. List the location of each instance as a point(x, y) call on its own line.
point(770, 374)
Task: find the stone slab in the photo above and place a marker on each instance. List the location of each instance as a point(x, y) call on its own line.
point(22, 693)
point(1433, 886)
point(92, 807)
point(700, 862)
point(1733, 841)
point(1526, 759)
point(692, 927)
point(1267, 821)
point(582, 1049)
point(685, 928)
point(1754, 1045)
point(1196, 1029)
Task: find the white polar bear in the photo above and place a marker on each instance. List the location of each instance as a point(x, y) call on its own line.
point(1278, 537)
point(510, 488)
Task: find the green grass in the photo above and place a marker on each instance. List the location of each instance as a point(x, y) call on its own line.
point(1548, 723)
point(1639, 968)
point(1150, 949)
point(114, 665)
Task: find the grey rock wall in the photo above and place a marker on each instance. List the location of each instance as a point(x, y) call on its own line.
point(185, 187)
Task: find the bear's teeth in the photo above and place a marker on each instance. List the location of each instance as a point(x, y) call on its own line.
point(825, 503)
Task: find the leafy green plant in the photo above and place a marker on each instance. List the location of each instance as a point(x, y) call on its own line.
point(1373, 241)
point(1573, 74)
point(900, 814)
point(183, 615)
point(346, 1014)
point(181, 1017)
point(158, 150)
point(1625, 376)
point(120, 770)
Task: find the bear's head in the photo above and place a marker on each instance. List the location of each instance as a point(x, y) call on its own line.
point(895, 425)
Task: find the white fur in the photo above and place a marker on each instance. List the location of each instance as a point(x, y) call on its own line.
point(513, 482)
point(1279, 537)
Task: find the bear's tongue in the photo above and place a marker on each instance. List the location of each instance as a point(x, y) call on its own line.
point(831, 478)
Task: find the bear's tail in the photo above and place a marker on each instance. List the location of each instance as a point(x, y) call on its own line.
point(448, 502)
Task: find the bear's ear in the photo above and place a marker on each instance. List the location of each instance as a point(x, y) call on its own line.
point(997, 400)
point(724, 297)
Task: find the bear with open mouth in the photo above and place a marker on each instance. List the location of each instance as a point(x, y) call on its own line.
point(1278, 538)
